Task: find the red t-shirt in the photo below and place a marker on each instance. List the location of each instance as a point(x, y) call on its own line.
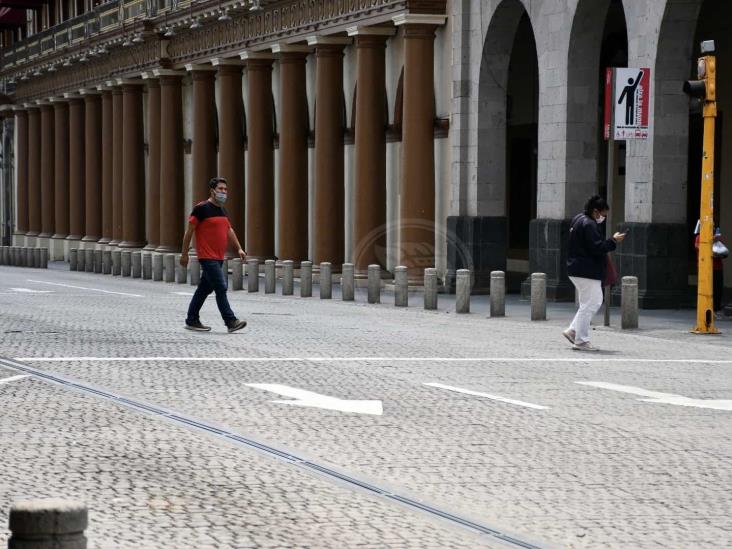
point(212, 230)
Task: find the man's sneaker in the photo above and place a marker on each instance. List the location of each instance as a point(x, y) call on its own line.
point(197, 326)
point(585, 347)
point(569, 334)
point(234, 325)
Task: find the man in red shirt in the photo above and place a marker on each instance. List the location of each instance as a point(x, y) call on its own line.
point(209, 222)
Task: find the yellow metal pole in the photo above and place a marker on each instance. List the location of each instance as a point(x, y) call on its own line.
point(704, 301)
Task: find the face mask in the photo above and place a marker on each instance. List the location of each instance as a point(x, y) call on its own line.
point(601, 219)
point(220, 197)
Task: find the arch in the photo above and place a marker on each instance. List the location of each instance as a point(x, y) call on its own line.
point(584, 170)
point(492, 107)
point(674, 54)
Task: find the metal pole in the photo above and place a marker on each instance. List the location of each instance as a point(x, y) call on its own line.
point(704, 303)
point(609, 222)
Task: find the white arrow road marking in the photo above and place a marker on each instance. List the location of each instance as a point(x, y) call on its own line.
point(29, 291)
point(662, 398)
point(83, 288)
point(486, 395)
point(12, 378)
point(315, 400)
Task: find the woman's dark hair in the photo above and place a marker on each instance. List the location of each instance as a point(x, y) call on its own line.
point(596, 202)
point(214, 181)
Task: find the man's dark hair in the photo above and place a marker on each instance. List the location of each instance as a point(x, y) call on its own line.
point(596, 202)
point(214, 181)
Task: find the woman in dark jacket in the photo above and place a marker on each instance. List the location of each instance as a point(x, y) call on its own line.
point(586, 265)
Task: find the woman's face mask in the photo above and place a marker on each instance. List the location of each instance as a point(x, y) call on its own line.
point(600, 219)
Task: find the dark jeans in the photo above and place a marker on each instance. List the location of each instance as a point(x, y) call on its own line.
point(213, 279)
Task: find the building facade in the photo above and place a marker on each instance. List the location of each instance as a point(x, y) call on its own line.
point(455, 134)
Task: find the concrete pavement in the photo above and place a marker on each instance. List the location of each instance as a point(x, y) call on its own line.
point(496, 421)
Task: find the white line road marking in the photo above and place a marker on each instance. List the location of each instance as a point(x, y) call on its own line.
point(29, 291)
point(486, 395)
point(662, 398)
point(182, 293)
point(12, 378)
point(83, 288)
point(369, 359)
point(315, 400)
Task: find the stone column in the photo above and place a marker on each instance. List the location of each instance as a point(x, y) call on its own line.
point(61, 172)
point(417, 194)
point(328, 230)
point(133, 170)
point(369, 193)
point(292, 211)
point(47, 180)
point(117, 197)
point(21, 161)
point(204, 137)
point(107, 167)
point(260, 165)
point(34, 171)
point(152, 199)
point(77, 201)
point(171, 161)
point(93, 165)
point(231, 140)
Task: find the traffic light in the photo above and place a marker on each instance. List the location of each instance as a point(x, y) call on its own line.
point(706, 87)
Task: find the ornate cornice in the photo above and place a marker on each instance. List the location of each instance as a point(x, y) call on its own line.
point(284, 22)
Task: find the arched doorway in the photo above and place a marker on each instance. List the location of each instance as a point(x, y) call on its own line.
point(598, 40)
point(713, 23)
point(508, 114)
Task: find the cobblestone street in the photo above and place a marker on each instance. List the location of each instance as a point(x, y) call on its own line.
point(497, 423)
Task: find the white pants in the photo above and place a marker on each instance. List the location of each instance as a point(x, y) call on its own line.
point(590, 301)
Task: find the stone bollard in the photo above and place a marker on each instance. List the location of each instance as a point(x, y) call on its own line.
point(157, 267)
point(47, 524)
point(136, 264)
point(270, 276)
point(181, 272)
point(126, 268)
point(498, 293)
point(19, 256)
point(116, 262)
point(401, 287)
point(306, 279)
point(80, 259)
point(195, 267)
point(326, 280)
point(253, 275)
point(2, 255)
point(106, 262)
point(629, 303)
point(73, 265)
point(462, 291)
point(98, 256)
point(374, 283)
point(169, 269)
point(44, 258)
point(89, 260)
point(347, 284)
point(147, 266)
point(538, 296)
point(37, 258)
point(28, 257)
point(430, 289)
point(288, 276)
point(236, 275)
point(14, 256)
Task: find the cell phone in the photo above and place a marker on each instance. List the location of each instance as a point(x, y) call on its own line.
point(626, 231)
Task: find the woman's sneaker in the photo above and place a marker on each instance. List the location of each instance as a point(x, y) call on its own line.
point(234, 325)
point(569, 334)
point(585, 346)
point(197, 326)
